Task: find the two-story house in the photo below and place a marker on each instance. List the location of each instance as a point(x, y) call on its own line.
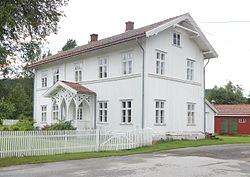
point(146, 77)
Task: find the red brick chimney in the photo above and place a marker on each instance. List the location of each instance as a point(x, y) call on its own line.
point(93, 37)
point(129, 25)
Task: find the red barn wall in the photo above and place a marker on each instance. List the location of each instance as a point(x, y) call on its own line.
point(242, 128)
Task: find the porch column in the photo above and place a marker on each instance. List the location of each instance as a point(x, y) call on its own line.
point(76, 125)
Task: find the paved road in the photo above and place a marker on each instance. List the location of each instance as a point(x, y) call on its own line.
point(212, 161)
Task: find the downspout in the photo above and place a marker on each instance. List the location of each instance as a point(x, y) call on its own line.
point(204, 101)
point(34, 96)
point(95, 126)
point(143, 82)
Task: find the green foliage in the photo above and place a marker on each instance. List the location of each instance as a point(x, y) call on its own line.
point(62, 125)
point(229, 94)
point(7, 109)
point(24, 25)
point(16, 98)
point(70, 44)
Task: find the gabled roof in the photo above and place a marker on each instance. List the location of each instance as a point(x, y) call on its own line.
point(130, 35)
point(233, 109)
point(73, 87)
point(211, 106)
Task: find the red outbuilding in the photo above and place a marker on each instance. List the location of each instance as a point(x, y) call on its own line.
point(232, 119)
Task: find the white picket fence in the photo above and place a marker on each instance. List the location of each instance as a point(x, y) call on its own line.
point(35, 143)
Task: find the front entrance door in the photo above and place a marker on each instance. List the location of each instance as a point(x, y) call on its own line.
point(83, 116)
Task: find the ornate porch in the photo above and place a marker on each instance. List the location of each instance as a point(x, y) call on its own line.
point(72, 102)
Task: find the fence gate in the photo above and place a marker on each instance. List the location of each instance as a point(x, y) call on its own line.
point(125, 140)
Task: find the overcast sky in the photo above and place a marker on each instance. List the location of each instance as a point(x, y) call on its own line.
point(107, 18)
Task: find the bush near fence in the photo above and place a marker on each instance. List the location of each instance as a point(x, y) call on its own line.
point(36, 143)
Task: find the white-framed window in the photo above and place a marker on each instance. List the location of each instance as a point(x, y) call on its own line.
point(191, 113)
point(242, 120)
point(176, 39)
point(159, 111)
point(55, 75)
point(126, 63)
point(44, 80)
point(103, 111)
point(190, 69)
point(126, 111)
point(78, 72)
point(44, 113)
point(80, 112)
point(160, 62)
point(55, 111)
point(103, 67)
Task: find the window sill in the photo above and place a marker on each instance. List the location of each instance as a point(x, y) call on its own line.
point(102, 78)
point(43, 88)
point(43, 122)
point(191, 124)
point(178, 46)
point(127, 74)
point(103, 123)
point(126, 124)
point(159, 124)
point(161, 75)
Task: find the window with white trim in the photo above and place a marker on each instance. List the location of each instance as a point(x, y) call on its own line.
point(176, 39)
point(80, 112)
point(127, 63)
point(103, 111)
point(55, 111)
point(160, 62)
point(78, 72)
point(126, 111)
point(190, 69)
point(159, 111)
point(190, 113)
point(103, 67)
point(44, 80)
point(242, 120)
point(44, 113)
point(56, 75)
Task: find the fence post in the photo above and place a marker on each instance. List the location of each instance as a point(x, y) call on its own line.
point(97, 138)
point(65, 141)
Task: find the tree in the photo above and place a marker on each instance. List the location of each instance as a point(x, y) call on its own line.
point(229, 94)
point(24, 25)
point(70, 44)
point(21, 100)
point(7, 109)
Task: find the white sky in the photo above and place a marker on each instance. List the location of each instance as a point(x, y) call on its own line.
point(107, 18)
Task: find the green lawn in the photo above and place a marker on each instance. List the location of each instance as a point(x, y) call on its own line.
point(159, 146)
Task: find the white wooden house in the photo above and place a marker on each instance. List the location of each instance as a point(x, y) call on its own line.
point(146, 77)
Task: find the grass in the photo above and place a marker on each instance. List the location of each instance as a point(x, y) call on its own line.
point(159, 146)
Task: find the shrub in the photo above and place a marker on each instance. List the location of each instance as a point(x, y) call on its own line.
point(24, 125)
point(61, 125)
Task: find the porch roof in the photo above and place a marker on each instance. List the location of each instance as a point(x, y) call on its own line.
point(73, 87)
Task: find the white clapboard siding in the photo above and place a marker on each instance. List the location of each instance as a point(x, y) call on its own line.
point(35, 143)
